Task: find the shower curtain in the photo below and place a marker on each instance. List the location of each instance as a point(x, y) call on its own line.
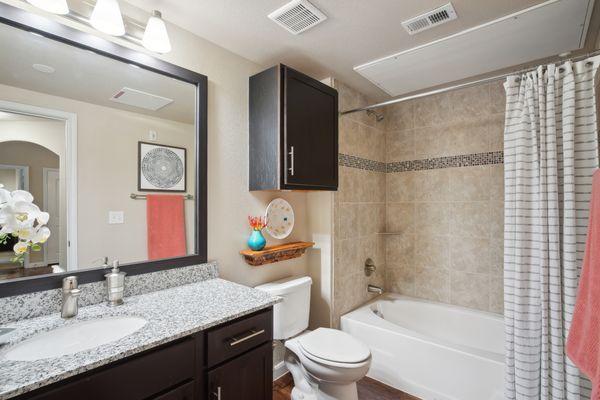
point(550, 154)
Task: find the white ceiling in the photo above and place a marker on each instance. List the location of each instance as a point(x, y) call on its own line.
point(86, 76)
point(356, 31)
point(542, 31)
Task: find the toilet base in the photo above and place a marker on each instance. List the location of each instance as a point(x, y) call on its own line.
point(307, 387)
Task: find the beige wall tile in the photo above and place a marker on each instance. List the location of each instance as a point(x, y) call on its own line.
point(432, 185)
point(399, 116)
point(400, 187)
point(470, 290)
point(432, 218)
point(348, 220)
point(467, 136)
point(399, 250)
point(400, 145)
point(496, 132)
point(400, 217)
point(400, 280)
point(431, 251)
point(497, 97)
point(496, 294)
point(432, 111)
point(497, 182)
point(496, 255)
point(433, 284)
point(470, 183)
point(470, 219)
point(470, 254)
point(431, 142)
point(470, 102)
point(497, 219)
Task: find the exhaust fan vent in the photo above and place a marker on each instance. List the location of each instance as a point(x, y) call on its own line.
point(297, 16)
point(428, 20)
point(137, 98)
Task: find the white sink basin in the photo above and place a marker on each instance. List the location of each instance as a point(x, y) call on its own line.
point(74, 338)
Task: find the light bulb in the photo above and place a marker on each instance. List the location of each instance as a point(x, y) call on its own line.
point(107, 18)
point(52, 6)
point(156, 37)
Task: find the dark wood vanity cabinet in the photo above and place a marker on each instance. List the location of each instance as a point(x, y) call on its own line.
point(229, 361)
point(293, 132)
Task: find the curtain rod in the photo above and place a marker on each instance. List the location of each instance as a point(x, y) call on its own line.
point(460, 86)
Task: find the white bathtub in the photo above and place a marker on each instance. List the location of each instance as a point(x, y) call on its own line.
point(430, 350)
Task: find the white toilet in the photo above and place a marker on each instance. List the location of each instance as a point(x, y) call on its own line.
point(325, 363)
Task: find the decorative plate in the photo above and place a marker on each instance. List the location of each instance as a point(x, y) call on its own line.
point(280, 218)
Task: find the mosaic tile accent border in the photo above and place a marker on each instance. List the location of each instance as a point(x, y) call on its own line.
point(346, 160)
point(465, 160)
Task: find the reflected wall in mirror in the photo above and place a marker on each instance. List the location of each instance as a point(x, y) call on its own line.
point(71, 122)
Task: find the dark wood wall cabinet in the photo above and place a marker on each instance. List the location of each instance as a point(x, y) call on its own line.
point(233, 361)
point(293, 132)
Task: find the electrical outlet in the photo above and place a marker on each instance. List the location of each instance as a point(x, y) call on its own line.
point(116, 217)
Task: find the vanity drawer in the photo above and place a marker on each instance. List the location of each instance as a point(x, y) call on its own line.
point(228, 341)
point(183, 392)
point(137, 378)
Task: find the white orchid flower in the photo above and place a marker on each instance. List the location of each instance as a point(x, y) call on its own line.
point(20, 248)
point(21, 218)
point(41, 235)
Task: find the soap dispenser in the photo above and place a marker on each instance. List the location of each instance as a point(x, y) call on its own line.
point(115, 285)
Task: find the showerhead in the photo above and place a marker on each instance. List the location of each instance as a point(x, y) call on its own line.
point(378, 117)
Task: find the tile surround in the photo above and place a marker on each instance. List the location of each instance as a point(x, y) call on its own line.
point(439, 180)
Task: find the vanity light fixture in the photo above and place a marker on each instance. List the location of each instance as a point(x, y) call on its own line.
point(156, 37)
point(107, 18)
point(52, 6)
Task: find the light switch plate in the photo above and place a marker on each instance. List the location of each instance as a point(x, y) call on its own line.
point(116, 217)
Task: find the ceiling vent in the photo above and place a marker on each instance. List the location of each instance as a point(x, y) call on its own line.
point(137, 98)
point(298, 16)
point(428, 20)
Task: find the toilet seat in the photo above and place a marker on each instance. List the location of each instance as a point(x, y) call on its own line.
point(333, 347)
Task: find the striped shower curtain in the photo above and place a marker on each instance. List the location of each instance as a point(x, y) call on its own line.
point(550, 154)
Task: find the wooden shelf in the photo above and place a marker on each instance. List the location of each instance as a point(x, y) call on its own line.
point(272, 254)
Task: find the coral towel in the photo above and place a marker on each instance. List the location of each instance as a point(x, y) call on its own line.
point(166, 226)
point(583, 344)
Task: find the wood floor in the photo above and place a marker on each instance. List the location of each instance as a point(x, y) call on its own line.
point(368, 389)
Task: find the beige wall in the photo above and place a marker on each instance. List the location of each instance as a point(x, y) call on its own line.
point(229, 201)
point(36, 158)
point(449, 221)
point(359, 207)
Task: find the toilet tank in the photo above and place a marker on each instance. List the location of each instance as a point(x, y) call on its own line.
point(290, 316)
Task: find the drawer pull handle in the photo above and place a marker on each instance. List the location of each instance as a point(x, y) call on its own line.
point(291, 153)
point(217, 394)
point(235, 341)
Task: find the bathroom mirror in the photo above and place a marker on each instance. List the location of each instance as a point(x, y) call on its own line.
point(106, 149)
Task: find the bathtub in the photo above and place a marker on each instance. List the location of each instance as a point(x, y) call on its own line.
point(430, 350)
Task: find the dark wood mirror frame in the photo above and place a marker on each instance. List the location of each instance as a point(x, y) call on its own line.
point(34, 23)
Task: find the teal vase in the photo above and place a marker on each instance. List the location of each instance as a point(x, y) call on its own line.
point(257, 241)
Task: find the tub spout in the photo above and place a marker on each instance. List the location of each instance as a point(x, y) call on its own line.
point(374, 289)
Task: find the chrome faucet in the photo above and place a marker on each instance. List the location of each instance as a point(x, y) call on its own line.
point(374, 289)
point(70, 297)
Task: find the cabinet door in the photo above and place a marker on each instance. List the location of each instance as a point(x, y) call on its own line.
point(310, 133)
point(247, 377)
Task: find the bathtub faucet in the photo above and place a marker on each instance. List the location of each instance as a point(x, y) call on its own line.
point(374, 289)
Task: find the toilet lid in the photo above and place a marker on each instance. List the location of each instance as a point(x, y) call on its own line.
point(334, 345)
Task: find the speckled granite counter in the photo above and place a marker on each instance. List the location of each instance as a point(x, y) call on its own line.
point(171, 314)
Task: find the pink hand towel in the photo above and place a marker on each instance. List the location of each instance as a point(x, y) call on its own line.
point(583, 344)
point(166, 226)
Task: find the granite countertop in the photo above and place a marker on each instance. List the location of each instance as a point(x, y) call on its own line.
point(171, 314)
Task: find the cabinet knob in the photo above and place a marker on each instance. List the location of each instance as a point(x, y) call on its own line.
point(291, 168)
